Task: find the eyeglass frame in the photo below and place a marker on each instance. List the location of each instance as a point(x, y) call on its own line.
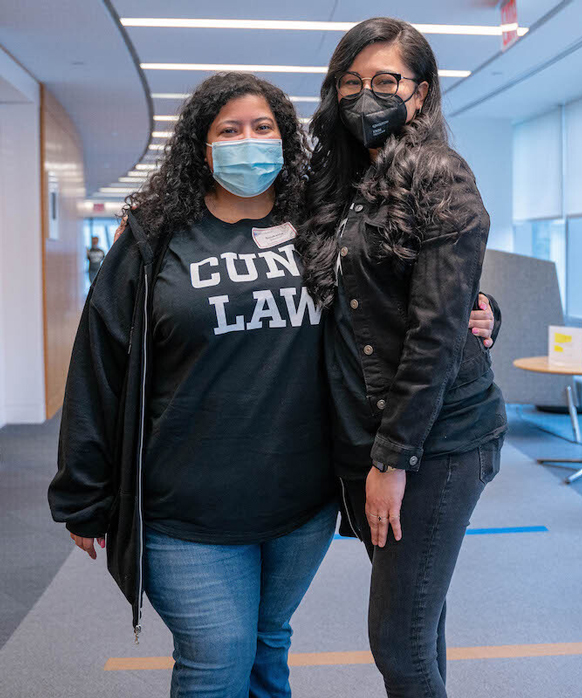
point(397, 76)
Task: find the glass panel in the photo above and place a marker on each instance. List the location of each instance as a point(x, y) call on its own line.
point(574, 285)
point(544, 240)
point(522, 239)
point(104, 230)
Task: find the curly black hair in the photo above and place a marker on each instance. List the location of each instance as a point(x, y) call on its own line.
point(173, 196)
point(409, 186)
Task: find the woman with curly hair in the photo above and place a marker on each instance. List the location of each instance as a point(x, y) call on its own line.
point(194, 432)
point(393, 245)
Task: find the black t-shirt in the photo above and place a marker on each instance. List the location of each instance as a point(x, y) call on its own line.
point(238, 439)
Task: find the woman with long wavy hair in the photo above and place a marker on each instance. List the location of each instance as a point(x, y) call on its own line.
point(393, 246)
point(195, 430)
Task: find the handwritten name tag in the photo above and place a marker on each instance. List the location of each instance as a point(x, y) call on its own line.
point(271, 237)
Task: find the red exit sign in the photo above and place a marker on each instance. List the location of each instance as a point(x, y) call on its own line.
point(509, 24)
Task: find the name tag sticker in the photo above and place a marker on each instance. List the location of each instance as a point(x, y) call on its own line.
point(271, 237)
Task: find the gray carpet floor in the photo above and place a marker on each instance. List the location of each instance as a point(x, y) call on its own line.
point(32, 547)
point(509, 589)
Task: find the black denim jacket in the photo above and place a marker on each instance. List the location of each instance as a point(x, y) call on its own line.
point(411, 326)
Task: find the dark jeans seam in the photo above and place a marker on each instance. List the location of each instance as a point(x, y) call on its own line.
point(421, 592)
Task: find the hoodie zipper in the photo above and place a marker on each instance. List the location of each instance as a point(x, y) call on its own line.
point(137, 628)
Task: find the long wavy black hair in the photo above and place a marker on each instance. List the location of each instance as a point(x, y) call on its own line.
point(173, 196)
point(408, 187)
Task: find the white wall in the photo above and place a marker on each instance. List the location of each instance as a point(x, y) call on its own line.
point(486, 144)
point(22, 397)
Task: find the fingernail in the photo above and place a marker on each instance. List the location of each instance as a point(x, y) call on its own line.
point(474, 330)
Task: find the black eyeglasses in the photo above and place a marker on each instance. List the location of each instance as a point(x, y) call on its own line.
point(383, 84)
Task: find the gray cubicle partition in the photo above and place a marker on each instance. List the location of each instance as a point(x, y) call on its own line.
point(527, 291)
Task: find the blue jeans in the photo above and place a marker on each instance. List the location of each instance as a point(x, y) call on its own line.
point(228, 607)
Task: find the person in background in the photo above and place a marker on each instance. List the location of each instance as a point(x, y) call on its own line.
point(393, 246)
point(95, 255)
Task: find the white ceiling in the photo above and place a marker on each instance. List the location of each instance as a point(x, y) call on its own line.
point(105, 96)
point(540, 72)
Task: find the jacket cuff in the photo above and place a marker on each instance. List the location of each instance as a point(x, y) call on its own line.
point(388, 453)
point(497, 317)
point(88, 529)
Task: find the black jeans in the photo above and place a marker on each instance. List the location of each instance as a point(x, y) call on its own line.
point(410, 578)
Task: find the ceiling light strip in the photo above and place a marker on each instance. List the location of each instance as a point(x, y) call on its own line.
point(161, 22)
point(237, 68)
point(170, 95)
point(305, 99)
point(178, 95)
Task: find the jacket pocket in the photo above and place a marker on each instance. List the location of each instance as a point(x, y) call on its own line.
point(489, 460)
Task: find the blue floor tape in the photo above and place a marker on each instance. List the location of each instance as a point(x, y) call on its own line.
point(485, 531)
point(516, 529)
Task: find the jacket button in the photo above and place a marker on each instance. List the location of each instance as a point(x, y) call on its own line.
point(354, 304)
point(368, 350)
point(381, 404)
point(344, 251)
point(413, 460)
point(358, 208)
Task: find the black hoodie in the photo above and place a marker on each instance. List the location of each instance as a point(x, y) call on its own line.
point(102, 426)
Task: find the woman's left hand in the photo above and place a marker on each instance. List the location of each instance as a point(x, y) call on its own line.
point(482, 321)
point(384, 494)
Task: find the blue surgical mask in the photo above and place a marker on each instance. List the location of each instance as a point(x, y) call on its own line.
point(247, 167)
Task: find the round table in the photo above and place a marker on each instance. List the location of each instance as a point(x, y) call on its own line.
point(542, 364)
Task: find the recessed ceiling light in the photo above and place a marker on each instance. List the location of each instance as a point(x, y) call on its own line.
point(144, 166)
point(456, 29)
point(116, 190)
point(212, 67)
point(161, 134)
point(137, 180)
point(156, 146)
point(168, 117)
